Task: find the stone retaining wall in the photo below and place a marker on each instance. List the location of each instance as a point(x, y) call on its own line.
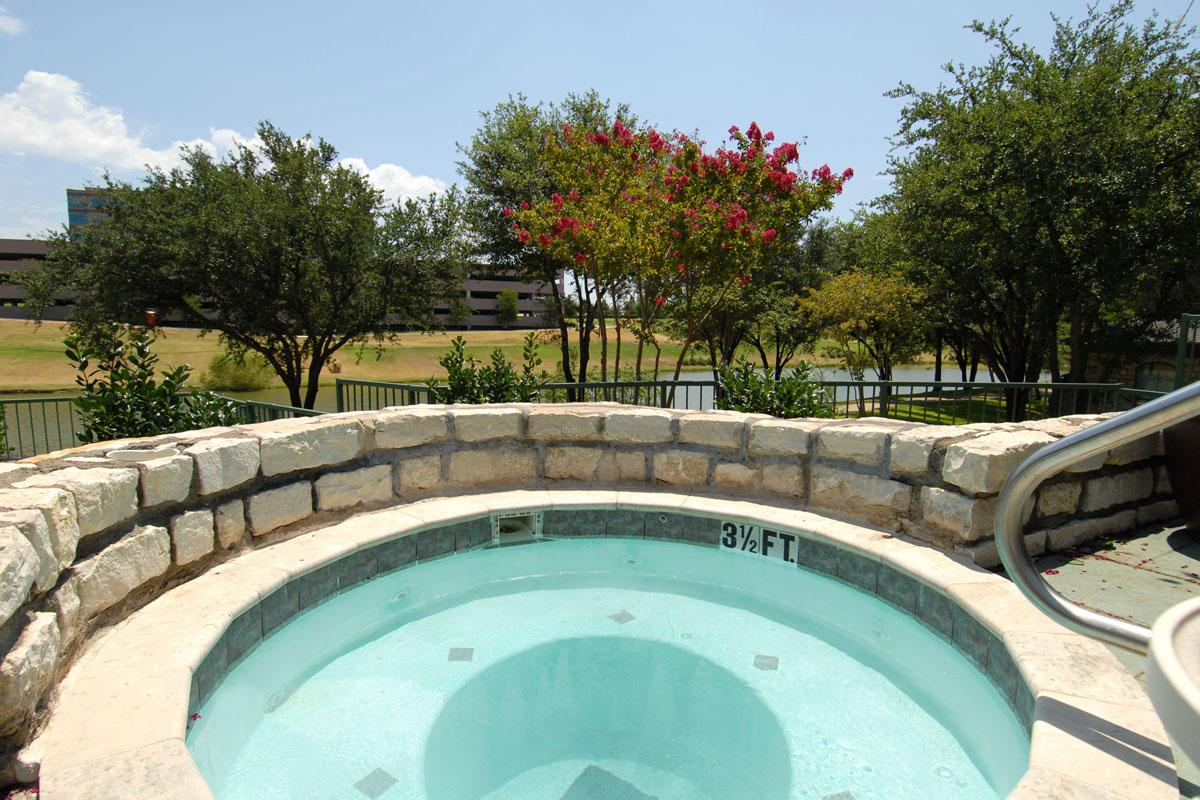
point(85, 539)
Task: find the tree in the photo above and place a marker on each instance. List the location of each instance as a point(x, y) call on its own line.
point(503, 165)
point(277, 247)
point(872, 315)
point(1038, 189)
point(507, 308)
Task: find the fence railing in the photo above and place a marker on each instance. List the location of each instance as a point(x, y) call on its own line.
point(938, 403)
point(36, 425)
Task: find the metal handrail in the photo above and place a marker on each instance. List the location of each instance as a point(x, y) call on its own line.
point(1180, 405)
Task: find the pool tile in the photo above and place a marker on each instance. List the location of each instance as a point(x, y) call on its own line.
point(357, 567)
point(575, 522)
point(663, 525)
point(936, 610)
point(316, 586)
point(625, 523)
point(857, 570)
point(766, 663)
point(279, 607)
point(1002, 671)
point(702, 530)
point(971, 638)
point(434, 543)
point(897, 588)
point(210, 672)
point(1025, 706)
point(461, 654)
point(472, 533)
point(816, 555)
point(395, 554)
point(622, 617)
point(244, 633)
point(376, 782)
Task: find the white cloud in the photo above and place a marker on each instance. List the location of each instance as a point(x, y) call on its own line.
point(50, 115)
point(10, 24)
point(395, 181)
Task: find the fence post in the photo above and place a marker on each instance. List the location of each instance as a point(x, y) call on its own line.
point(337, 385)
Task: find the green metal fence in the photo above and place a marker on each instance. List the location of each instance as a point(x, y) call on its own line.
point(1189, 349)
point(939, 403)
point(36, 425)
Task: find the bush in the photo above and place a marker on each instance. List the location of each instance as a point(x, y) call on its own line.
point(499, 382)
point(507, 310)
point(120, 396)
point(247, 372)
point(744, 388)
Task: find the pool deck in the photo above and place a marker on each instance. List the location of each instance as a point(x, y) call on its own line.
point(1135, 576)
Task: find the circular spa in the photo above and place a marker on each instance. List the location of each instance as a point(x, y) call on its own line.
point(576, 668)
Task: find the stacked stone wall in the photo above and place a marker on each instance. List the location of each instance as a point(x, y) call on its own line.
point(86, 538)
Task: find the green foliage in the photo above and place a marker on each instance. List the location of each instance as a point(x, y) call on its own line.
point(507, 309)
point(4, 448)
point(1042, 187)
point(242, 372)
point(120, 396)
point(282, 249)
point(744, 388)
point(498, 382)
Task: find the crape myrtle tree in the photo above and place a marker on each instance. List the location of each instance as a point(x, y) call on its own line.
point(1058, 188)
point(503, 165)
point(276, 246)
point(700, 222)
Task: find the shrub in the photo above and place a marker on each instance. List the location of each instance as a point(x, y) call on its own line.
point(744, 388)
point(120, 396)
point(498, 382)
point(246, 372)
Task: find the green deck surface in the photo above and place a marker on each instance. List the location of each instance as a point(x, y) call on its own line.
point(1136, 577)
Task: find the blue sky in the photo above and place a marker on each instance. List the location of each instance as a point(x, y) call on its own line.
point(394, 85)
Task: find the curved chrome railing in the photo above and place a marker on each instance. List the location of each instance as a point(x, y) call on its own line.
point(1130, 426)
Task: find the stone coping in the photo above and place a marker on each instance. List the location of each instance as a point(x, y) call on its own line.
point(119, 724)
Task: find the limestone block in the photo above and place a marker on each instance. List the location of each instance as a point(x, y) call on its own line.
point(736, 476)
point(681, 468)
point(966, 518)
point(786, 479)
point(103, 497)
point(630, 467)
point(493, 466)
point(420, 474)
point(638, 426)
point(109, 576)
point(64, 602)
point(481, 424)
point(275, 508)
point(296, 444)
point(985, 554)
point(1139, 450)
point(166, 480)
point(1115, 490)
point(1157, 512)
point(782, 437)
point(11, 473)
point(1080, 530)
point(1058, 498)
point(230, 521)
point(18, 570)
point(557, 423)
point(28, 670)
point(1057, 427)
point(910, 450)
point(57, 508)
point(192, 535)
point(879, 500)
point(859, 444)
point(223, 463)
point(713, 428)
point(980, 466)
point(33, 527)
point(1162, 481)
point(347, 489)
point(410, 427)
point(573, 463)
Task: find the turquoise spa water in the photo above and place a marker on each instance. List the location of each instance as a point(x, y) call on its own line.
point(606, 669)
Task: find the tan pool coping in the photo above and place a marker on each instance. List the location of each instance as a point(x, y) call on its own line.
point(119, 723)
